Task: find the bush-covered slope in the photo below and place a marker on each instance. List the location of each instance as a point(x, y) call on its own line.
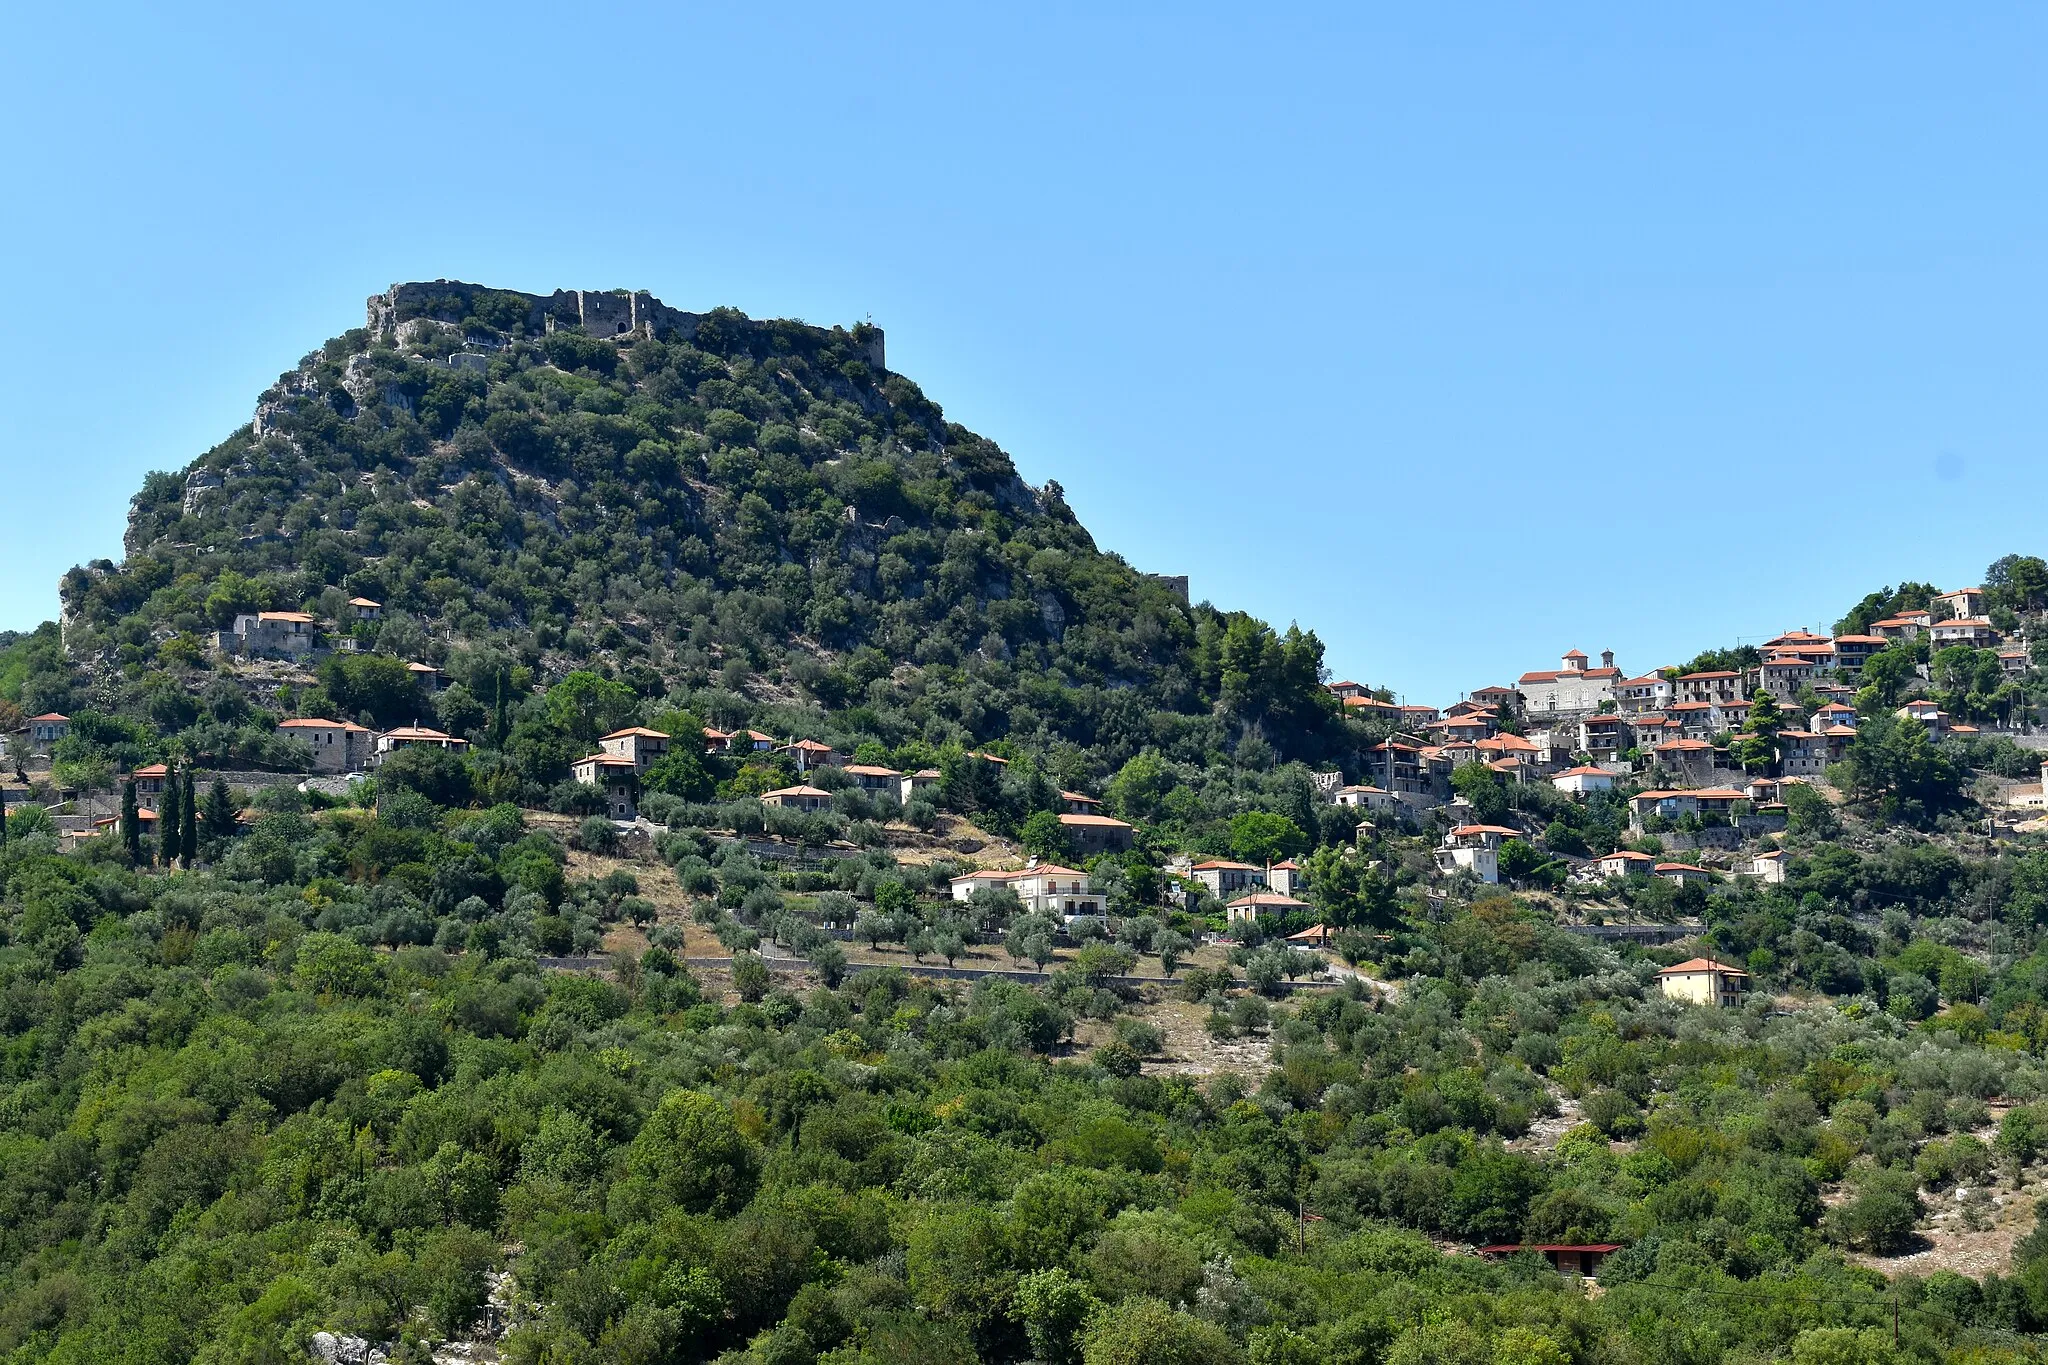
point(752, 515)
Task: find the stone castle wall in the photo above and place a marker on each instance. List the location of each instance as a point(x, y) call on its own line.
point(599, 313)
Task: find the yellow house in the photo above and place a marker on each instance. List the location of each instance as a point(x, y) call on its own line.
point(1703, 981)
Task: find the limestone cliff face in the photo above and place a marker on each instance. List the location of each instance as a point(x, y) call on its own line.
point(598, 313)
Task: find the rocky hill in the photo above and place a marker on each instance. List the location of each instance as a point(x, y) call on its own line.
point(755, 516)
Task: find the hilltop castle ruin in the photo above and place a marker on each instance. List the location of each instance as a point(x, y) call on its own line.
point(609, 313)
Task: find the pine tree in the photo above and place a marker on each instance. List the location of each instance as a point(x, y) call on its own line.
point(131, 823)
point(220, 811)
point(188, 823)
point(167, 820)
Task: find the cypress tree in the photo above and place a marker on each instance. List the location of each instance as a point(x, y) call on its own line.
point(167, 820)
point(131, 823)
point(501, 724)
point(3, 819)
point(220, 811)
point(188, 823)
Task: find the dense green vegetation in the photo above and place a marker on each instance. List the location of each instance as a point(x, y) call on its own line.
point(229, 1123)
point(314, 1065)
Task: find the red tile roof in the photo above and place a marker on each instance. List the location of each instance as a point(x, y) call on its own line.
point(1701, 964)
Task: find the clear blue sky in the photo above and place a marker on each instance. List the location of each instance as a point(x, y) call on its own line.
point(1462, 341)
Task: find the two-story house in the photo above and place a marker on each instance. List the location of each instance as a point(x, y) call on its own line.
point(1474, 849)
point(1714, 685)
point(873, 778)
point(1963, 602)
point(1571, 687)
point(273, 634)
point(1974, 631)
point(339, 746)
point(1651, 692)
point(1225, 879)
point(1852, 651)
point(1093, 834)
point(637, 744)
point(618, 778)
point(46, 729)
point(1711, 804)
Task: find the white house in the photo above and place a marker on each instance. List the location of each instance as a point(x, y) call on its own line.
point(1372, 798)
point(924, 780)
point(1046, 889)
point(1583, 779)
point(1651, 692)
point(1974, 631)
point(1768, 868)
point(1262, 903)
point(1474, 849)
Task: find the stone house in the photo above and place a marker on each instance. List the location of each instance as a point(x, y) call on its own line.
point(1093, 834)
point(1571, 687)
point(339, 746)
point(273, 634)
point(637, 744)
point(1710, 685)
point(874, 779)
point(1225, 879)
point(46, 729)
point(618, 778)
point(1246, 909)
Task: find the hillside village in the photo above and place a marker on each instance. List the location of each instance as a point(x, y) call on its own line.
point(590, 832)
point(1702, 766)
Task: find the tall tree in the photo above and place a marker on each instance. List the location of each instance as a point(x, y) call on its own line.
point(167, 819)
point(220, 810)
point(188, 823)
point(131, 822)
